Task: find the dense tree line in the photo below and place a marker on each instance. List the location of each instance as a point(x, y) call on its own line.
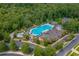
point(16, 16)
point(72, 26)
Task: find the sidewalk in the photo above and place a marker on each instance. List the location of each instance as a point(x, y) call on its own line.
point(59, 40)
point(34, 44)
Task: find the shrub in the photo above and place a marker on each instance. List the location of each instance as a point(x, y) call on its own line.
point(7, 37)
point(49, 51)
point(36, 40)
point(38, 51)
point(3, 46)
point(25, 48)
point(59, 45)
point(13, 45)
point(70, 37)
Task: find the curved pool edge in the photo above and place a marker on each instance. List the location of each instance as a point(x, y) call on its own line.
point(52, 26)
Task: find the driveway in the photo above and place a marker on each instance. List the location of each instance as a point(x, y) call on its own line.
point(65, 50)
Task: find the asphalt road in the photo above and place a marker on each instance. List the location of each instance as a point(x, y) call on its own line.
point(65, 50)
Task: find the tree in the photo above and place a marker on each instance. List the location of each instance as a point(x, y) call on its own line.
point(36, 40)
point(45, 43)
point(3, 46)
point(1, 36)
point(59, 45)
point(72, 25)
point(13, 45)
point(27, 37)
point(49, 51)
point(38, 51)
point(70, 37)
point(25, 16)
point(25, 48)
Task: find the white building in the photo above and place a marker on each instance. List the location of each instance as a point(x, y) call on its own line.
point(20, 35)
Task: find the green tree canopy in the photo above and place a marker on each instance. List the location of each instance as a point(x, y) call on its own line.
point(36, 40)
point(70, 37)
point(25, 48)
point(1, 36)
point(3, 46)
point(59, 45)
point(72, 25)
point(49, 51)
point(38, 51)
point(17, 16)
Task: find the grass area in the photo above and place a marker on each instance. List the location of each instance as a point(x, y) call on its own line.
point(77, 49)
point(70, 37)
point(76, 45)
point(65, 43)
point(58, 20)
point(74, 54)
point(69, 53)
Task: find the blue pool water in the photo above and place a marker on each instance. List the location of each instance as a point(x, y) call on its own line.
point(37, 31)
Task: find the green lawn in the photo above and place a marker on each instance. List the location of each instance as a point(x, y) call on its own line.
point(77, 49)
point(76, 45)
point(69, 53)
point(74, 54)
point(58, 20)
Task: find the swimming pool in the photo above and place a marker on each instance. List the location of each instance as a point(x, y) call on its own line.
point(37, 31)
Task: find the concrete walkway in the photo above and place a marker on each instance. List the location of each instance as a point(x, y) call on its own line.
point(34, 44)
point(60, 40)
